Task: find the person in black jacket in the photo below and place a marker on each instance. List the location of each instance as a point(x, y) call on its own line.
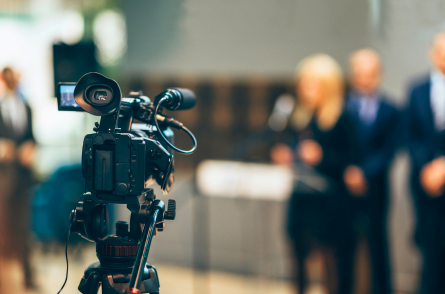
point(17, 147)
point(318, 139)
point(426, 143)
point(377, 128)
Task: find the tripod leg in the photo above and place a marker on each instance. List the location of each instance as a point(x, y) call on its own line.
point(90, 285)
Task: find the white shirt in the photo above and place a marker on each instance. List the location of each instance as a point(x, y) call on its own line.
point(437, 97)
point(13, 112)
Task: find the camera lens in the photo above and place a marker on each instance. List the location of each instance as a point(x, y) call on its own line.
point(100, 95)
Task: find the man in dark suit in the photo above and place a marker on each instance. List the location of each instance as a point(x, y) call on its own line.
point(375, 125)
point(426, 143)
point(16, 157)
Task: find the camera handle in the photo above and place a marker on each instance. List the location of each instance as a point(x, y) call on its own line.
point(153, 223)
point(144, 248)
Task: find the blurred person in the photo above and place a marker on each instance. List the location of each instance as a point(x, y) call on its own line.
point(17, 147)
point(426, 143)
point(318, 138)
point(377, 129)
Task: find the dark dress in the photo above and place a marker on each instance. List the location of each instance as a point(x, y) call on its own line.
point(425, 143)
point(317, 218)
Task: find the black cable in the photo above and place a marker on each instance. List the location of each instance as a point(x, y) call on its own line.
point(66, 257)
point(66, 245)
point(195, 143)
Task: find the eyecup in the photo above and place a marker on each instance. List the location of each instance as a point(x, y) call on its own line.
point(97, 79)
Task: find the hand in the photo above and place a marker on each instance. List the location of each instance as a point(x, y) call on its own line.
point(310, 152)
point(355, 181)
point(432, 177)
point(26, 153)
point(7, 150)
point(282, 154)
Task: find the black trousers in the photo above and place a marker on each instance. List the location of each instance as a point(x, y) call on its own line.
point(367, 218)
point(15, 185)
point(430, 237)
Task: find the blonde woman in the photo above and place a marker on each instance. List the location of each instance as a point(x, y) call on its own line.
point(318, 137)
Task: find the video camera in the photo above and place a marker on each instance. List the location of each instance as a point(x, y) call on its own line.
point(119, 161)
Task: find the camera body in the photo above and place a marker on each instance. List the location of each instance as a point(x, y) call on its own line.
point(120, 163)
point(114, 164)
point(121, 158)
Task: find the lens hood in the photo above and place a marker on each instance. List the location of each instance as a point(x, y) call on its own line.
point(97, 94)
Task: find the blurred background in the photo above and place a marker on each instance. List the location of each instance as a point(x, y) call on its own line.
point(238, 57)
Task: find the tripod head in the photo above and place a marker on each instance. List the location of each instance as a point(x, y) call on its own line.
point(122, 257)
point(118, 163)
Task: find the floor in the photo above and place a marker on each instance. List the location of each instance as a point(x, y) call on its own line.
point(49, 264)
point(50, 273)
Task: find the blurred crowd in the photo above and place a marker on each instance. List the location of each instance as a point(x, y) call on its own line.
point(345, 128)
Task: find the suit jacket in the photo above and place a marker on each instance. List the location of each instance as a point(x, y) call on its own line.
point(7, 133)
point(377, 142)
point(424, 142)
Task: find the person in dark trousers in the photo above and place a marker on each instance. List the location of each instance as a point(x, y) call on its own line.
point(377, 127)
point(317, 140)
point(17, 147)
point(426, 143)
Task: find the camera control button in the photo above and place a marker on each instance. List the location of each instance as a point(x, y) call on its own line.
point(98, 139)
point(152, 154)
point(122, 188)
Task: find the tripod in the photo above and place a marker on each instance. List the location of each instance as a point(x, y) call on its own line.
point(122, 266)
